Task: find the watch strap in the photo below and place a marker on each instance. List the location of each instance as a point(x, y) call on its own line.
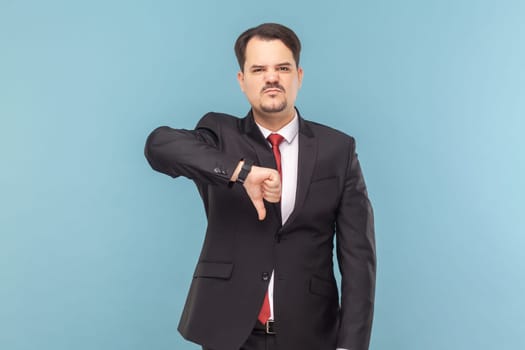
point(245, 170)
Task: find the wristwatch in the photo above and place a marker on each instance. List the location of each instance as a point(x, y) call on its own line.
point(245, 170)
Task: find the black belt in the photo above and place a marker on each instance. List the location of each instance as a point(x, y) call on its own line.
point(267, 328)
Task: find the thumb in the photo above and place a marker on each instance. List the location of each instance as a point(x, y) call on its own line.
point(261, 209)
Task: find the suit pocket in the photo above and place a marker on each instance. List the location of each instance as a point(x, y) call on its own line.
point(213, 270)
point(323, 288)
point(323, 179)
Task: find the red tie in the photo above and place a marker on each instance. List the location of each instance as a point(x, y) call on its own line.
point(275, 140)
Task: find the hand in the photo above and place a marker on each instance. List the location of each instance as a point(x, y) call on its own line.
point(263, 183)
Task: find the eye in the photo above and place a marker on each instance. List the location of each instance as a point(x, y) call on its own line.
point(284, 69)
point(257, 70)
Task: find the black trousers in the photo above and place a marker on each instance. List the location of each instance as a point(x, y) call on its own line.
point(258, 340)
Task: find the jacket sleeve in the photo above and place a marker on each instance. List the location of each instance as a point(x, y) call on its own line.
point(195, 154)
point(357, 259)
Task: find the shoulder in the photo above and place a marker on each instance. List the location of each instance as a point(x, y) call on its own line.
point(215, 119)
point(329, 134)
point(334, 144)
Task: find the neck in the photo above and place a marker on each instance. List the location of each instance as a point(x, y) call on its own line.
point(273, 121)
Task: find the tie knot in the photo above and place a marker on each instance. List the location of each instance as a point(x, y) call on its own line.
point(275, 139)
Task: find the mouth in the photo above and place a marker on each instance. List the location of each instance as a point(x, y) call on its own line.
point(272, 91)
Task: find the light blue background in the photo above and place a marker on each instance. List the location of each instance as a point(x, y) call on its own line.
point(97, 250)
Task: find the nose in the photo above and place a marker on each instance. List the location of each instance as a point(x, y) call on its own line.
point(272, 76)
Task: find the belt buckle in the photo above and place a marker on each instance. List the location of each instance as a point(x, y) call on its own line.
point(270, 327)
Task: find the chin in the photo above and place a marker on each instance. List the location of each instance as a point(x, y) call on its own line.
point(274, 107)
point(273, 110)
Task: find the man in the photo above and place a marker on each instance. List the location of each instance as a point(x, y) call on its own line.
point(276, 188)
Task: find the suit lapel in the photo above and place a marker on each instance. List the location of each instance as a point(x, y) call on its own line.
point(307, 158)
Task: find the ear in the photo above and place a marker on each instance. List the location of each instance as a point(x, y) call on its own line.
point(300, 75)
point(240, 79)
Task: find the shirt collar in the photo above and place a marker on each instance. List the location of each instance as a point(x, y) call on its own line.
point(289, 131)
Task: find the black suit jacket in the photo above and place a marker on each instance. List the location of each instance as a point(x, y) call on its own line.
point(240, 252)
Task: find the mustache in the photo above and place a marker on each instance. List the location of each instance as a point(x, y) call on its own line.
point(273, 86)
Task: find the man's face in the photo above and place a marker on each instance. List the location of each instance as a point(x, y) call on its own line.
point(270, 79)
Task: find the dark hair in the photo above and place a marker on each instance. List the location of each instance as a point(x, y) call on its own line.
point(268, 31)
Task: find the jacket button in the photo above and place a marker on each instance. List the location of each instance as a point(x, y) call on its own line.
point(217, 171)
point(265, 276)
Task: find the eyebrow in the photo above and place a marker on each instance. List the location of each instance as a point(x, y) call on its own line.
point(277, 65)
